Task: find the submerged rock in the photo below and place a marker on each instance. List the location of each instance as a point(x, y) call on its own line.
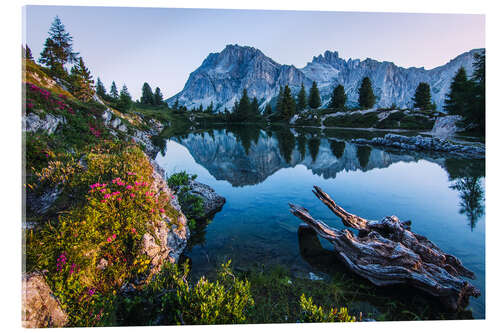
point(40, 307)
point(425, 143)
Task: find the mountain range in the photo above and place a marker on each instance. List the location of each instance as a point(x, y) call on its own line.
point(222, 77)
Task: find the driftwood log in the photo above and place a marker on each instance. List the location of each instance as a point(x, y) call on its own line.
point(387, 252)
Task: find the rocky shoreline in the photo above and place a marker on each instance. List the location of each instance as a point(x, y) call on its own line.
point(420, 143)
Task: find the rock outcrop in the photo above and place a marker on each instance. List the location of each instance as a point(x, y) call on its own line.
point(425, 143)
point(40, 307)
point(34, 123)
point(212, 202)
point(445, 126)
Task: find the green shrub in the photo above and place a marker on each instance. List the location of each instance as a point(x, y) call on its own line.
point(355, 120)
point(312, 313)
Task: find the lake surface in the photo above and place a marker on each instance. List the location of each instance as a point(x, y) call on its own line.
point(260, 171)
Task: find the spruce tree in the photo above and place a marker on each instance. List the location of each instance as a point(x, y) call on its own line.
point(366, 97)
point(210, 108)
point(338, 98)
point(302, 98)
point(458, 100)
point(289, 107)
point(82, 82)
point(157, 97)
point(27, 53)
point(125, 101)
point(422, 98)
point(58, 49)
point(479, 79)
point(314, 97)
point(244, 108)
point(147, 94)
point(113, 92)
point(100, 90)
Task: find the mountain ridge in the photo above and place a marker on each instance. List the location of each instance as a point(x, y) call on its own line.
point(222, 76)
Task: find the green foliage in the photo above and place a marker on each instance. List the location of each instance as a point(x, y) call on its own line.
point(82, 84)
point(287, 107)
point(179, 178)
point(355, 120)
point(422, 98)
point(113, 92)
point(58, 49)
point(339, 98)
point(401, 120)
point(302, 98)
point(125, 101)
point(157, 97)
point(192, 205)
point(147, 95)
point(314, 96)
point(268, 110)
point(366, 97)
point(101, 90)
point(311, 313)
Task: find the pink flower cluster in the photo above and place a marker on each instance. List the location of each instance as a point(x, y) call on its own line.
point(95, 131)
point(47, 96)
point(98, 186)
point(61, 261)
point(111, 238)
point(118, 181)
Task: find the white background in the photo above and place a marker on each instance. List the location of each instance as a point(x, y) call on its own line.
point(10, 154)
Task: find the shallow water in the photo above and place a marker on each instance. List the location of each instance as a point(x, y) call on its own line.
point(259, 172)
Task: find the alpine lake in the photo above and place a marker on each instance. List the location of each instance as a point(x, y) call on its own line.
point(260, 170)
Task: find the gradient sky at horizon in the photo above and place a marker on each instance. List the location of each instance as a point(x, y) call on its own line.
point(162, 46)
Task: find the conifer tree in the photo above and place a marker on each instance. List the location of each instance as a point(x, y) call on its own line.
point(125, 100)
point(27, 53)
point(147, 94)
point(58, 49)
point(422, 98)
point(82, 82)
point(244, 108)
point(289, 107)
point(210, 108)
point(458, 100)
point(302, 98)
point(100, 90)
point(176, 104)
point(338, 98)
point(314, 96)
point(366, 97)
point(158, 97)
point(113, 92)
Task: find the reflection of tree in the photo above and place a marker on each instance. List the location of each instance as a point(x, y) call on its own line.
point(363, 154)
point(246, 135)
point(313, 145)
point(459, 167)
point(337, 148)
point(301, 145)
point(198, 232)
point(471, 198)
point(286, 142)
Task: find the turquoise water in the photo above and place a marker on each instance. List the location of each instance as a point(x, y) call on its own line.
point(259, 172)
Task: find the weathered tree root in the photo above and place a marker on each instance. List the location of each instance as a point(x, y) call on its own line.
point(386, 252)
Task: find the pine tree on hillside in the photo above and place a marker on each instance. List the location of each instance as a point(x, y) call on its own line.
point(27, 53)
point(82, 84)
point(147, 94)
point(125, 100)
point(58, 49)
point(479, 78)
point(339, 98)
point(100, 90)
point(458, 100)
point(210, 108)
point(244, 108)
point(113, 92)
point(422, 98)
point(366, 97)
point(302, 98)
point(314, 96)
point(289, 107)
point(157, 97)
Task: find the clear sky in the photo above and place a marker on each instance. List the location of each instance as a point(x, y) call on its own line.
point(162, 46)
